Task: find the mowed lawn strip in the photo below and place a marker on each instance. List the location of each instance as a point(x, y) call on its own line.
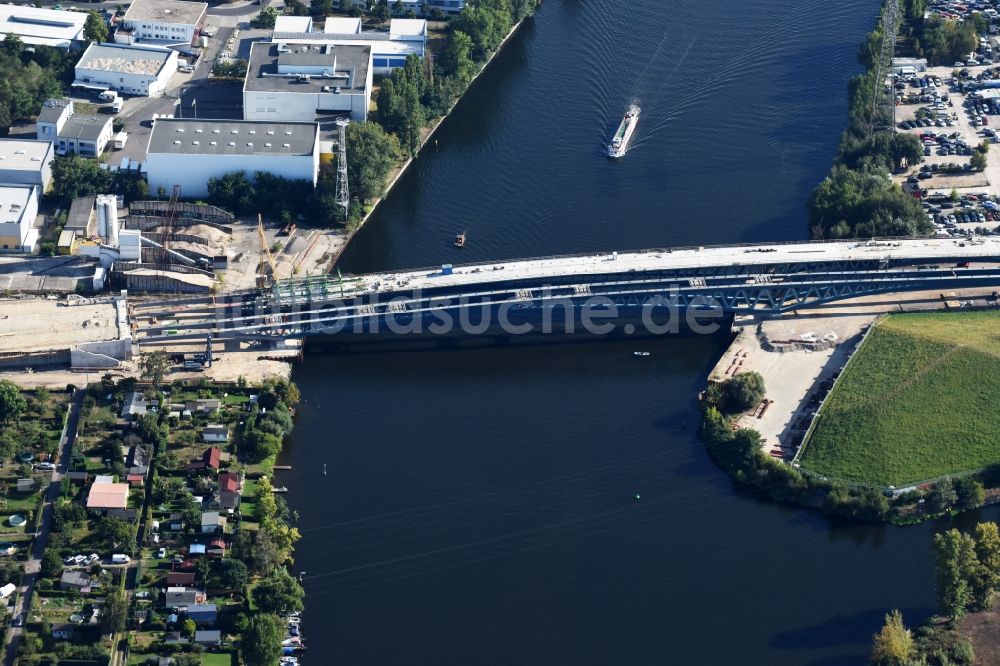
point(917, 401)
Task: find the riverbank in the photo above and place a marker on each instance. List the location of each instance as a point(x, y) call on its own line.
point(426, 134)
point(800, 358)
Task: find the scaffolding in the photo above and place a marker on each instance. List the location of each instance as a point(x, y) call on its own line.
point(343, 192)
point(883, 116)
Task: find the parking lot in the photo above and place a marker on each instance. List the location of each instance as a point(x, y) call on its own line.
point(951, 113)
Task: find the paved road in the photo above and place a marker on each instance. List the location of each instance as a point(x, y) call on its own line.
point(33, 565)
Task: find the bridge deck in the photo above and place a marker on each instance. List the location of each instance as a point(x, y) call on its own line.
point(932, 249)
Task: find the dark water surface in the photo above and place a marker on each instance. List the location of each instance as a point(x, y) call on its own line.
point(479, 505)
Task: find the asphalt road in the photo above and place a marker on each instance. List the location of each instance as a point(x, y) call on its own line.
point(33, 565)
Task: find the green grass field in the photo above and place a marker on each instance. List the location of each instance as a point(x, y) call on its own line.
point(918, 401)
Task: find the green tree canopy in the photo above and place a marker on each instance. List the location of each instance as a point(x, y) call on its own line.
point(260, 643)
point(893, 645)
point(371, 153)
point(265, 20)
point(278, 593)
point(956, 565)
point(95, 29)
point(743, 392)
point(12, 403)
point(114, 612)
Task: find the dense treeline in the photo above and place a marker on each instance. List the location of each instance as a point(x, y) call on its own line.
point(943, 41)
point(740, 452)
point(74, 176)
point(858, 198)
point(28, 78)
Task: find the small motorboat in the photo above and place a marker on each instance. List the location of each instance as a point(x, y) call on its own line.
point(459, 240)
point(640, 353)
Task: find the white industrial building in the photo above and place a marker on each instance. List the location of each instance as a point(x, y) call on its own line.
point(300, 81)
point(42, 27)
point(80, 134)
point(187, 152)
point(389, 48)
point(167, 22)
point(18, 210)
point(129, 69)
point(293, 24)
point(26, 162)
point(417, 6)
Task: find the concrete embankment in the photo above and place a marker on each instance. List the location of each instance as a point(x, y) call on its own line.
point(427, 136)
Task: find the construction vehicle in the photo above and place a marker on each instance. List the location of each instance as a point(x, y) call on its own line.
point(266, 264)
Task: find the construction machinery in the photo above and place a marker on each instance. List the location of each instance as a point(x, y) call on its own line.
point(266, 264)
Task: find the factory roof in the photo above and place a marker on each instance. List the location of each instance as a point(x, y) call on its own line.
point(24, 154)
point(42, 27)
point(81, 211)
point(408, 29)
point(124, 58)
point(14, 201)
point(52, 109)
point(379, 42)
point(293, 24)
point(180, 12)
point(231, 137)
point(339, 24)
point(350, 74)
point(85, 127)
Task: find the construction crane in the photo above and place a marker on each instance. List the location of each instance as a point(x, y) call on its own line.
point(266, 260)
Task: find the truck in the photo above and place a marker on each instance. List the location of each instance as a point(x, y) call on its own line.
point(120, 558)
point(117, 104)
point(120, 139)
point(108, 96)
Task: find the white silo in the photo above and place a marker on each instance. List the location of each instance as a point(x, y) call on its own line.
point(107, 219)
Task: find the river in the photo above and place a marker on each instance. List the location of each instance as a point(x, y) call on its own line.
point(552, 504)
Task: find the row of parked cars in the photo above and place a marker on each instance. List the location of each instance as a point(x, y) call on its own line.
point(81, 560)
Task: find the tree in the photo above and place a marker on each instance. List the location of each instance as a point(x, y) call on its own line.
point(114, 613)
point(458, 57)
point(893, 645)
point(74, 176)
point(12, 403)
point(266, 18)
point(371, 153)
point(969, 492)
point(279, 593)
point(95, 29)
point(233, 573)
point(51, 564)
point(117, 534)
point(153, 365)
point(12, 45)
point(257, 550)
point(942, 497)
point(743, 391)
point(978, 160)
point(189, 627)
point(956, 565)
point(261, 641)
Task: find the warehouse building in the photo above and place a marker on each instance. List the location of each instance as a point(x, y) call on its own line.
point(42, 27)
point(188, 152)
point(80, 134)
point(389, 49)
point(132, 70)
point(166, 22)
point(299, 81)
point(18, 210)
point(26, 162)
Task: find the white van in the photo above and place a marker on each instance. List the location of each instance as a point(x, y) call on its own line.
point(119, 558)
point(108, 96)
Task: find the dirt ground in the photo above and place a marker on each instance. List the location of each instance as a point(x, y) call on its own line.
point(983, 631)
point(39, 324)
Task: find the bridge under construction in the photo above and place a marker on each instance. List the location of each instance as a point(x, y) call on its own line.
point(614, 286)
